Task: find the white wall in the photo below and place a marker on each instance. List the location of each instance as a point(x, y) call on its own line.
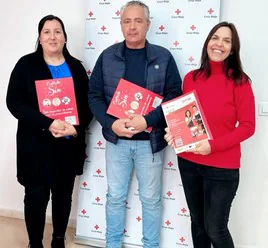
point(18, 25)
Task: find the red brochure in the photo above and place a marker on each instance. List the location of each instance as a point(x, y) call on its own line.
point(131, 98)
point(56, 99)
point(186, 120)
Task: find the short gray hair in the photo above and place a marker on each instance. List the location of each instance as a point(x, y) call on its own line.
point(136, 3)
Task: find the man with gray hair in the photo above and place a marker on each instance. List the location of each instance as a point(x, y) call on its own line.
point(152, 67)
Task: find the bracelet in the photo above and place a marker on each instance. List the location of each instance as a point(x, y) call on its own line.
point(75, 135)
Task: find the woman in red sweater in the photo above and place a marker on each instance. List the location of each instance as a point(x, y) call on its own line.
point(210, 171)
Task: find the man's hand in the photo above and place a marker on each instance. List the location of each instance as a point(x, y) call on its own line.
point(120, 129)
point(137, 122)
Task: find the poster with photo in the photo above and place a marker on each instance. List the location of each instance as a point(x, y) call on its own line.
point(130, 98)
point(186, 121)
point(56, 99)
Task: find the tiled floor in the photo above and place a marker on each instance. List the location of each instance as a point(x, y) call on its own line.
point(13, 235)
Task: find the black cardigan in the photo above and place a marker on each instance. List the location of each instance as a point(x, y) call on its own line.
point(38, 152)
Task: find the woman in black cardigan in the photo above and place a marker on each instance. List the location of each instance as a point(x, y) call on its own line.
point(50, 153)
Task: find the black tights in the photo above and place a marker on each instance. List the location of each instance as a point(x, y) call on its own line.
point(35, 205)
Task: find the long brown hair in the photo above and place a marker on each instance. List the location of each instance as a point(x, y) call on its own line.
point(232, 66)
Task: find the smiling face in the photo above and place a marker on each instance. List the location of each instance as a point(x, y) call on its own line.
point(134, 26)
point(220, 45)
point(52, 38)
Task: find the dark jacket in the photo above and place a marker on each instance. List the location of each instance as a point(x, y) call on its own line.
point(38, 152)
point(161, 76)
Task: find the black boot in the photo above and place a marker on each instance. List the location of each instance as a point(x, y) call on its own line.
point(35, 246)
point(58, 242)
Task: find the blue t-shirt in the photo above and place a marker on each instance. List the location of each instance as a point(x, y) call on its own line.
point(60, 71)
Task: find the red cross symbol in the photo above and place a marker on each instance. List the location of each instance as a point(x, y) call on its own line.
point(170, 164)
point(97, 199)
point(169, 193)
point(89, 43)
point(99, 143)
point(161, 28)
point(210, 11)
point(177, 11)
point(191, 59)
point(168, 222)
point(98, 171)
point(90, 13)
point(103, 28)
point(96, 227)
point(83, 211)
point(193, 27)
point(138, 218)
point(176, 43)
point(182, 239)
point(84, 184)
point(117, 12)
point(89, 72)
point(183, 210)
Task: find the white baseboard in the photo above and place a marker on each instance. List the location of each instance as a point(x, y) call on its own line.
point(18, 214)
point(244, 246)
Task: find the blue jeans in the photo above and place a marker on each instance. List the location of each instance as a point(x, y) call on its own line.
point(120, 161)
point(209, 193)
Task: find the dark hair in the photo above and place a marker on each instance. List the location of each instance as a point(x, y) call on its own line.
point(188, 111)
point(232, 66)
point(41, 24)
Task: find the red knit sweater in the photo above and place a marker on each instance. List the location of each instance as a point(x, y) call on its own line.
point(230, 113)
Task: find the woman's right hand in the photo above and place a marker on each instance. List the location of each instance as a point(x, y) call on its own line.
point(56, 125)
point(169, 138)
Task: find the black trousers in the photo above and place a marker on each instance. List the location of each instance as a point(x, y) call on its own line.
point(209, 194)
point(35, 204)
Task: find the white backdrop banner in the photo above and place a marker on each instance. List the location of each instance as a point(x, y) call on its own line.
point(181, 27)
